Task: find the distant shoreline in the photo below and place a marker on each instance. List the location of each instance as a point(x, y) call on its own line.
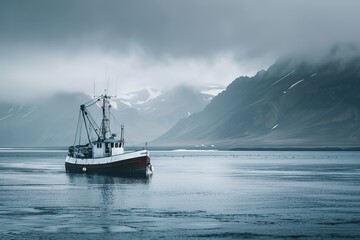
point(280, 149)
point(297, 149)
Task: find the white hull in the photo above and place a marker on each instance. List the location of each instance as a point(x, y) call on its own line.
point(104, 160)
point(133, 163)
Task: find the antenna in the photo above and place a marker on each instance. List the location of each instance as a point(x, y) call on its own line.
point(116, 88)
point(106, 80)
point(107, 87)
point(94, 88)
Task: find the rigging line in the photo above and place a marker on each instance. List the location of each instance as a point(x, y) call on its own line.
point(91, 124)
point(94, 88)
point(87, 130)
point(116, 122)
point(77, 128)
point(92, 121)
point(109, 122)
point(92, 103)
point(131, 142)
point(92, 100)
point(107, 87)
point(116, 88)
point(97, 117)
point(80, 131)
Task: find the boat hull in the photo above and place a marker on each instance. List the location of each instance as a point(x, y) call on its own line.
point(131, 165)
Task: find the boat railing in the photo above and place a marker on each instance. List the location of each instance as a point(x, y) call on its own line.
point(81, 151)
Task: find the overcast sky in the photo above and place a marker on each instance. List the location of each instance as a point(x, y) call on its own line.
point(48, 46)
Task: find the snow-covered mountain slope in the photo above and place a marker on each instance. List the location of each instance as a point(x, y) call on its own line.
point(168, 106)
point(52, 122)
point(295, 103)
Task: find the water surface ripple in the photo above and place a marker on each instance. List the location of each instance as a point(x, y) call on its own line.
point(193, 195)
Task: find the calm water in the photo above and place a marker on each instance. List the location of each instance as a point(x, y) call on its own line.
point(193, 195)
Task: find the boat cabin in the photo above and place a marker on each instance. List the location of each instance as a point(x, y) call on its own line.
point(107, 148)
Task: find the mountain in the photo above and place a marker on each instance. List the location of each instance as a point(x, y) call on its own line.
point(158, 110)
point(174, 104)
point(295, 103)
point(138, 98)
point(52, 122)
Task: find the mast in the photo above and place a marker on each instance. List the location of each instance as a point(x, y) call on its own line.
point(105, 123)
point(103, 131)
point(105, 120)
point(122, 135)
point(82, 108)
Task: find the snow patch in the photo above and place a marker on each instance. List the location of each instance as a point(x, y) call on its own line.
point(6, 116)
point(313, 74)
point(127, 96)
point(212, 92)
point(214, 86)
point(130, 98)
point(275, 126)
point(126, 103)
point(10, 110)
point(20, 108)
point(114, 104)
point(153, 93)
point(188, 114)
point(31, 110)
point(295, 84)
point(284, 77)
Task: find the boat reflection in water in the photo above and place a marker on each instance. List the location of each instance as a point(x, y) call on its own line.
point(109, 190)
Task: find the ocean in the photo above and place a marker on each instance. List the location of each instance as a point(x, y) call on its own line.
point(192, 195)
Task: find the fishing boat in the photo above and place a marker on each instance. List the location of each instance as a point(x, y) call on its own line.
point(104, 154)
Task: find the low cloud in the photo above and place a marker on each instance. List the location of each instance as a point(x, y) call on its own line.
point(48, 46)
point(34, 74)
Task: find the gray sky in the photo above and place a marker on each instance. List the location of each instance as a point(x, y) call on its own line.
point(48, 46)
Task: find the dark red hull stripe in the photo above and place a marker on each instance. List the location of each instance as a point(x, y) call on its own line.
point(130, 166)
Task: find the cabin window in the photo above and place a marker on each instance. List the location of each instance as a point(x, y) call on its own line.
point(119, 145)
point(112, 145)
point(116, 145)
